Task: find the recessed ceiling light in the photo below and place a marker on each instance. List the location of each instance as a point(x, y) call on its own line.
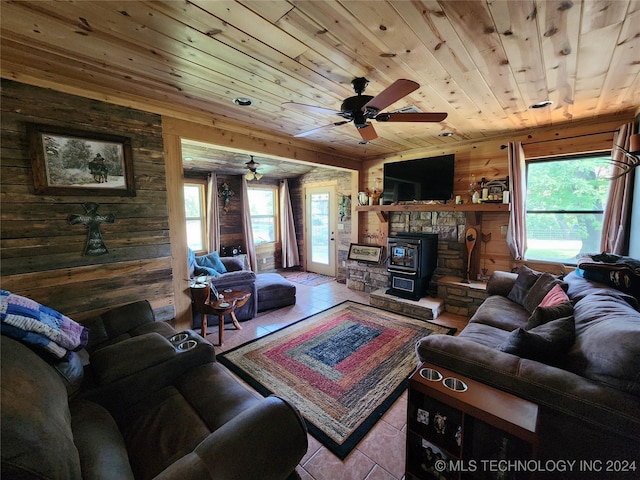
point(545, 103)
point(242, 101)
point(445, 134)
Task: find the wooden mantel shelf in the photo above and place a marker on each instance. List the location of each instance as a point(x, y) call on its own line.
point(383, 210)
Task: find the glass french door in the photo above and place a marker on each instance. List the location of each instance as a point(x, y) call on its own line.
point(320, 220)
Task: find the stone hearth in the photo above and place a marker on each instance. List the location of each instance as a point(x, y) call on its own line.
point(426, 308)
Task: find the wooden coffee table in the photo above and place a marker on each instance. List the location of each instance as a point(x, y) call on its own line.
point(227, 306)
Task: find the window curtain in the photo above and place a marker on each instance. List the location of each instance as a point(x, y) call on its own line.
point(617, 211)
point(517, 230)
point(246, 226)
point(213, 214)
point(290, 256)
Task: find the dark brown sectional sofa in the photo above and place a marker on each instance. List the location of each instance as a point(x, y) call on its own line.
point(587, 385)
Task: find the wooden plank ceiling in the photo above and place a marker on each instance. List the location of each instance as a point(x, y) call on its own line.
point(482, 62)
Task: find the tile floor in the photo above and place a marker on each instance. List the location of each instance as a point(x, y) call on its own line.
point(380, 454)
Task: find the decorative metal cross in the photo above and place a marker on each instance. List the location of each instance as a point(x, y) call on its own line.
point(95, 244)
point(226, 193)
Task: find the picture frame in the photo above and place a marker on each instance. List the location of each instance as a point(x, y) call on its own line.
point(496, 189)
point(365, 253)
point(68, 161)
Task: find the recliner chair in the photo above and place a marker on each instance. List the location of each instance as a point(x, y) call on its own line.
point(152, 403)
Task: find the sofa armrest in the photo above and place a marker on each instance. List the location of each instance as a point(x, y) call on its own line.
point(559, 390)
point(501, 283)
point(267, 440)
point(233, 278)
point(130, 370)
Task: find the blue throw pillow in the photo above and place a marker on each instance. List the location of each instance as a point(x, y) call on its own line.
point(212, 261)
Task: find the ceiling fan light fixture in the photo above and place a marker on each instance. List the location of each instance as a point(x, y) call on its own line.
point(543, 104)
point(252, 165)
point(361, 108)
point(252, 174)
point(242, 101)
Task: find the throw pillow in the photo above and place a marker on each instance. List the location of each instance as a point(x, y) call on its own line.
point(233, 264)
point(212, 260)
point(546, 314)
point(539, 290)
point(526, 279)
point(555, 296)
point(546, 343)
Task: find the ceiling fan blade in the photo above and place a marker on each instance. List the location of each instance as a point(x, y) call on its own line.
point(331, 125)
point(391, 94)
point(311, 108)
point(368, 133)
point(410, 117)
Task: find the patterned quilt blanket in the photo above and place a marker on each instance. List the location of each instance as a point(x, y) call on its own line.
point(33, 323)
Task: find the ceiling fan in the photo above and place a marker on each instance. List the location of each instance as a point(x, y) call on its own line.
point(361, 108)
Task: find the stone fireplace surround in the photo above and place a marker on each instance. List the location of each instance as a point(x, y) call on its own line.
point(450, 227)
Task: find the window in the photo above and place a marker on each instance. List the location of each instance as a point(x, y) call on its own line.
point(565, 203)
point(194, 195)
point(263, 206)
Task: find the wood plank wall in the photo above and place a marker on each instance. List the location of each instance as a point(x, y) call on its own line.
point(42, 254)
point(489, 159)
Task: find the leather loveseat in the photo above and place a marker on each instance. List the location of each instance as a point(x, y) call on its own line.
point(151, 403)
point(578, 360)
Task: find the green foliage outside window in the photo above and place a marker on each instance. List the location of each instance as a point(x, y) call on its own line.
point(262, 206)
point(565, 200)
point(194, 213)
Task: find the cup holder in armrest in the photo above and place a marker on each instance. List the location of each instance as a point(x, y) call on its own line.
point(186, 340)
point(186, 346)
point(455, 384)
point(179, 338)
point(430, 374)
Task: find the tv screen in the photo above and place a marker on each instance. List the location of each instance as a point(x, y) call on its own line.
point(422, 179)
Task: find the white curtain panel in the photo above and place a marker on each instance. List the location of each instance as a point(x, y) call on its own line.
point(290, 255)
point(213, 214)
point(517, 230)
point(246, 226)
point(617, 211)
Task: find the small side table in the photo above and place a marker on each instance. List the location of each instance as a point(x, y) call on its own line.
point(232, 299)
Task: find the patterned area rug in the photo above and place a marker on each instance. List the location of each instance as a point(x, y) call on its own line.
point(309, 278)
point(343, 367)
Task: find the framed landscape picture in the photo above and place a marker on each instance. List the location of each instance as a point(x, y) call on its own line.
point(365, 253)
point(67, 161)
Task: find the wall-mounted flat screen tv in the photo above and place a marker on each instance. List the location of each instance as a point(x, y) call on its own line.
point(422, 179)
